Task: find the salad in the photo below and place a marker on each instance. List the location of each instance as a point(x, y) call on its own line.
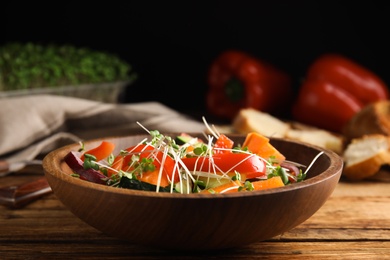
point(187, 164)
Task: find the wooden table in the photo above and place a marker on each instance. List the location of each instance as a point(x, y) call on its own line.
point(353, 224)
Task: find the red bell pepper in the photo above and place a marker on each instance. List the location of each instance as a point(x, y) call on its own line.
point(335, 88)
point(237, 80)
point(248, 165)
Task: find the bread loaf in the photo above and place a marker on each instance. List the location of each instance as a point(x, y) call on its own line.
point(364, 156)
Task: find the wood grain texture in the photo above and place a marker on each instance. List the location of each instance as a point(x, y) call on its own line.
point(47, 229)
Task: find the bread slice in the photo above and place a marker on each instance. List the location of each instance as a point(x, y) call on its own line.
point(251, 120)
point(364, 156)
point(318, 137)
point(372, 119)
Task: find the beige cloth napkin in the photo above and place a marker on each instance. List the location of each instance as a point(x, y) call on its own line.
point(32, 125)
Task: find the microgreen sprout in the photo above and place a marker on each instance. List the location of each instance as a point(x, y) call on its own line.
point(248, 186)
point(90, 162)
point(110, 159)
point(82, 147)
point(237, 176)
point(201, 150)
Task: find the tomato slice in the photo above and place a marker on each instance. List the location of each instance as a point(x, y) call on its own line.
point(223, 144)
point(248, 165)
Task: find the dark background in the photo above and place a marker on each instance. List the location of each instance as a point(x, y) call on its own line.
point(171, 44)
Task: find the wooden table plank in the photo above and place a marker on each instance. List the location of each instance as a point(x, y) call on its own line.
point(269, 250)
point(353, 224)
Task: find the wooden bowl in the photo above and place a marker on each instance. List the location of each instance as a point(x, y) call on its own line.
point(196, 221)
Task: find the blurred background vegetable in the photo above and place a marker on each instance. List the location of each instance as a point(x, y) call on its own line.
point(238, 80)
point(30, 65)
point(334, 90)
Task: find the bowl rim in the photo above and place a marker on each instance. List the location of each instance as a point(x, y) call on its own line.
point(52, 161)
